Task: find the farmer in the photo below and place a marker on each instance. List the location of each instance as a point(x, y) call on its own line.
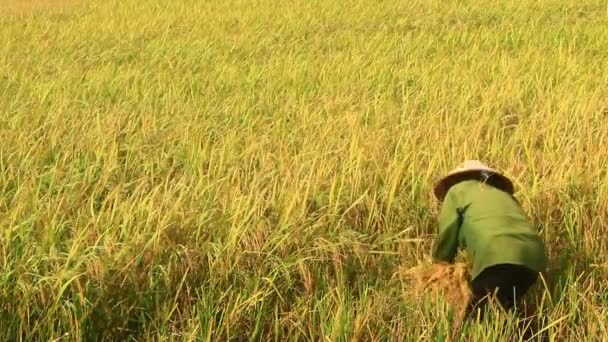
point(480, 215)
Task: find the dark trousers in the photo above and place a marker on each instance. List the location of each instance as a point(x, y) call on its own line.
point(505, 283)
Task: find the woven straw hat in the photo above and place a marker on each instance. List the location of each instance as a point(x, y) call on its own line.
point(472, 169)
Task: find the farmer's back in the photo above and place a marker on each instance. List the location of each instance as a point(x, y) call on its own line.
point(494, 228)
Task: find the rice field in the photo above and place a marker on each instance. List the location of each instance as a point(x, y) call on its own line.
point(255, 170)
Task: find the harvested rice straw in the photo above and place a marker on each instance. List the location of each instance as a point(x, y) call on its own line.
point(449, 281)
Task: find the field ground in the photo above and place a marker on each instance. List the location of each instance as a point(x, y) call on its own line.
point(256, 169)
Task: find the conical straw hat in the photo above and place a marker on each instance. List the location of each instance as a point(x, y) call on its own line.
point(472, 169)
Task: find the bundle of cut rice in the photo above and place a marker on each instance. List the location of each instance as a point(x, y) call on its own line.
point(449, 281)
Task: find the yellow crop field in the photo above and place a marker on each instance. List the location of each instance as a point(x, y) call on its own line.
point(261, 170)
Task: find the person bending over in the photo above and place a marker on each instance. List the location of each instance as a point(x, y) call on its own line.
point(480, 214)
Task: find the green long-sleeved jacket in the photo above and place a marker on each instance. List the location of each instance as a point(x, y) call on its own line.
point(490, 225)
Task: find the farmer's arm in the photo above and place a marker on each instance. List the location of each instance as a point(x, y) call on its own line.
point(445, 245)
